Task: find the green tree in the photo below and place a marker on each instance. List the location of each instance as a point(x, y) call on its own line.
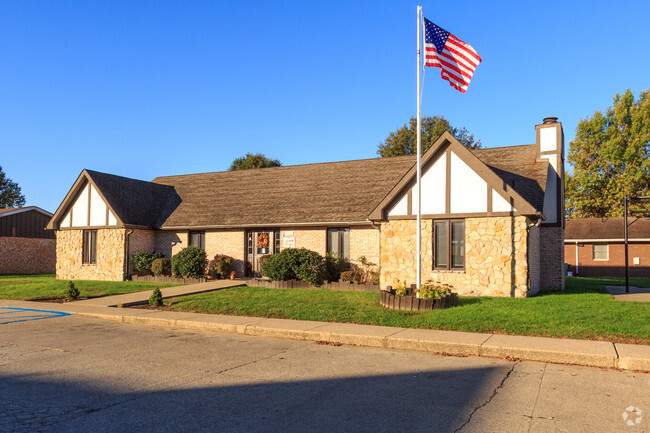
point(10, 195)
point(250, 160)
point(610, 158)
point(403, 141)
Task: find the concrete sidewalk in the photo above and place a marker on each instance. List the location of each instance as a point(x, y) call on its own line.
point(637, 294)
point(555, 350)
point(167, 292)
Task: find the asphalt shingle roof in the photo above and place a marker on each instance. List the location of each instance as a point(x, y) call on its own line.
point(606, 228)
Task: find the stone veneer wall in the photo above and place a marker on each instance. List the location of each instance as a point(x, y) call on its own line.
point(110, 256)
point(496, 256)
point(27, 255)
point(552, 258)
point(227, 242)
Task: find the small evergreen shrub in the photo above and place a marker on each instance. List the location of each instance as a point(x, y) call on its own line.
point(142, 260)
point(334, 266)
point(156, 298)
point(261, 260)
point(295, 263)
point(71, 292)
point(190, 262)
point(220, 267)
point(161, 266)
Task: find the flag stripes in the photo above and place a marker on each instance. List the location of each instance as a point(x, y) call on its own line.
point(456, 59)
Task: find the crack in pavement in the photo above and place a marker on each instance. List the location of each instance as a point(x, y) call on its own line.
point(494, 393)
point(539, 391)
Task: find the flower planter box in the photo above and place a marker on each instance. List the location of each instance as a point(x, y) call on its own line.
point(412, 303)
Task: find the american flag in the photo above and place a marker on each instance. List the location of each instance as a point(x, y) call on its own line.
point(456, 59)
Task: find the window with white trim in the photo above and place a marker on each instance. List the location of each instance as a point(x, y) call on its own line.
point(601, 252)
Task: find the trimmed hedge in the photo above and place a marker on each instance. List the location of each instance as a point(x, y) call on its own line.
point(220, 267)
point(142, 260)
point(161, 266)
point(295, 263)
point(189, 262)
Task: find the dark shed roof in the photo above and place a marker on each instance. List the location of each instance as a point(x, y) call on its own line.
point(605, 228)
point(518, 167)
point(135, 202)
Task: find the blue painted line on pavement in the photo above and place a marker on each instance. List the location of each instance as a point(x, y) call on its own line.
point(48, 314)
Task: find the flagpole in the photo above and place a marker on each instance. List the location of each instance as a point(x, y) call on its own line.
point(419, 174)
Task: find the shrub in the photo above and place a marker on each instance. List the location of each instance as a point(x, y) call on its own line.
point(262, 260)
point(142, 260)
point(400, 288)
point(351, 275)
point(156, 298)
point(189, 262)
point(295, 263)
point(434, 290)
point(334, 266)
point(220, 267)
point(71, 292)
point(161, 266)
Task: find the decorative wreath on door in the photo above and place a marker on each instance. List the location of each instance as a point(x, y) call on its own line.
point(263, 240)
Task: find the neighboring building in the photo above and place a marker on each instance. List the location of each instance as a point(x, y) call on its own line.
point(492, 218)
point(25, 246)
point(595, 247)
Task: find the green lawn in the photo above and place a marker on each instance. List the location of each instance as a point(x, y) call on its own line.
point(584, 310)
point(45, 286)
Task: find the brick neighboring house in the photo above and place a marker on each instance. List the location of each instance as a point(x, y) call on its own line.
point(25, 246)
point(595, 247)
point(492, 218)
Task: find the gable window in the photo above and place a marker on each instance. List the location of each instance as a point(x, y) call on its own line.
point(338, 242)
point(449, 245)
point(89, 250)
point(197, 239)
point(601, 252)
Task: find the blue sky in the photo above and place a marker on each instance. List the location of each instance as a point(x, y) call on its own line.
point(142, 89)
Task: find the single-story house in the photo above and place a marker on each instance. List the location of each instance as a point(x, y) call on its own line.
point(595, 247)
point(25, 246)
point(492, 218)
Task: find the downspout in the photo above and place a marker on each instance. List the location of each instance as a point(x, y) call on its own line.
point(576, 259)
point(128, 233)
point(372, 223)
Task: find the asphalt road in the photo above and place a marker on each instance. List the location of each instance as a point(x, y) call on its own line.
point(85, 375)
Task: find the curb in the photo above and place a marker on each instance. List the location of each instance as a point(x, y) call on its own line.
point(452, 343)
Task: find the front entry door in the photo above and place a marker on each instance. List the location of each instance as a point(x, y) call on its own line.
point(260, 243)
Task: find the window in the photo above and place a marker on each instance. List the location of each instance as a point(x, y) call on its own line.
point(449, 245)
point(197, 239)
point(89, 247)
point(338, 242)
point(276, 241)
point(601, 252)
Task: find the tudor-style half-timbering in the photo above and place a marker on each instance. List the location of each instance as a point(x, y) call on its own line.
point(481, 211)
point(88, 210)
point(455, 183)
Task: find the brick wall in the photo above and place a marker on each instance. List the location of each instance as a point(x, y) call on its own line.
point(615, 265)
point(534, 265)
point(169, 243)
point(314, 239)
point(27, 255)
point(110, 256)
point(364, 241)
point(227, 242)
point(551, 253)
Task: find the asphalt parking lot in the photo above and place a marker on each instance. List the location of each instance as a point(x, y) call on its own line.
point(70, 373)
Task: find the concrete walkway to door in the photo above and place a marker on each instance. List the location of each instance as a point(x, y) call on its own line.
point(167, 292)
point(637, 294)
